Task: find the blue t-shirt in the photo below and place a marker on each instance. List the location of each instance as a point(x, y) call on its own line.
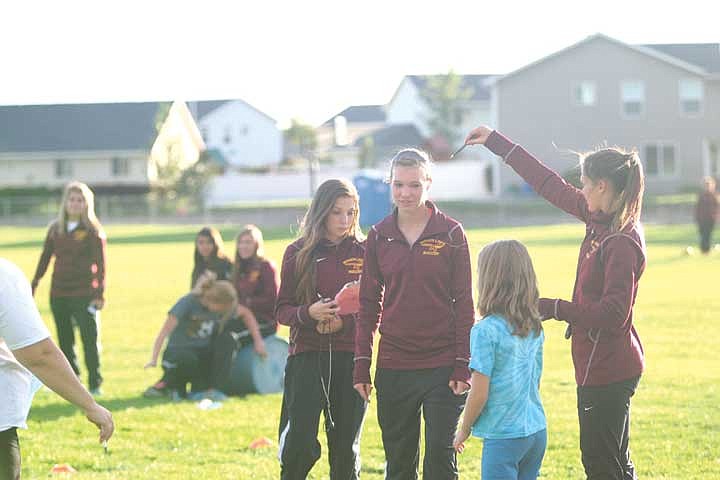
point(196, 324)
point(514, 365)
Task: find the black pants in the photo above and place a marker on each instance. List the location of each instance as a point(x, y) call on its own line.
point(226, 344)
point(9, 455)
point(186, 364)
point(402, 395)
point(706, 229)
point(65, 310)
point(303, 399)
point(604, 413)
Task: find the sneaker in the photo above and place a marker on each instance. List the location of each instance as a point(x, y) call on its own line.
point(197, 396)
point(96, 392)
point(154, 392)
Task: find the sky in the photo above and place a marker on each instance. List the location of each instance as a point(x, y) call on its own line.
point(307, 60)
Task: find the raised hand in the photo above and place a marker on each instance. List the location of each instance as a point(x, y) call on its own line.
point(478, 136)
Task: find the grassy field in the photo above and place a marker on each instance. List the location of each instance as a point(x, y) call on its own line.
point(676, 417)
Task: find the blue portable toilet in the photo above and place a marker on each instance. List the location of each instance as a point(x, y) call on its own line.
point(375, 202)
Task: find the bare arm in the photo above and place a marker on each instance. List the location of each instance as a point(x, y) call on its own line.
point(167, 327)
point(45, 360)
point(253, 327)
point(473, 408)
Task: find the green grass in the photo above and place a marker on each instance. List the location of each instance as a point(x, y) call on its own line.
point(676, 418)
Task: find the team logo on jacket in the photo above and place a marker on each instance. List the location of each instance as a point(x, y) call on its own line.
point(254, 276)
point(432, 246)
point(354, 264)
point(80, 234)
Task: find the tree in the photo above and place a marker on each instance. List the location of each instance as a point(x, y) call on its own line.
point(446, 98)
point(301, 135)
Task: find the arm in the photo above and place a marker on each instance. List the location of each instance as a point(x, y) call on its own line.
point(45, 256)
point(461, 292)
point(169, 325)
point(371, 299)
point(287, 311)
point(248, 318)
point(545, 181)
point(621, 258)
point(98, 252)
point(49, 364)
point(476, 400)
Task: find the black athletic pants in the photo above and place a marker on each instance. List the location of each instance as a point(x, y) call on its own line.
point(226, 344)
point(303, 399)
point(706, 229)
point(186, 364)
point(604, 413)
point(65, 310)
point(9, 455)
point(402, 395)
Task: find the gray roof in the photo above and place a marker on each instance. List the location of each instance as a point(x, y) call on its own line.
point(481, 91)
point(361, 114)
point(73, 127)
point(200, 108)
point(704, 55)
point(400, 135)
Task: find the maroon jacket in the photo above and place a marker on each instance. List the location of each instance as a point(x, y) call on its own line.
point(79, 262)
point(257, 288)
point(421, 297)
point(706, 210)
point(336, 266)
point(605, 346)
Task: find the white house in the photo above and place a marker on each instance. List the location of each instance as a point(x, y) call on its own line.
point(245, 136)
point(107, 145)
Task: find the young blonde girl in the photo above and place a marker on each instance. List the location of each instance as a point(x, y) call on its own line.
point(77, 241)
point(504, 406)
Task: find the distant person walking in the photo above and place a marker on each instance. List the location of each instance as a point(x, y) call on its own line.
point(318, 375)
point(417, 287)
point(706, 213)
point(25, 349)
point(210, 256)
point(606, 348)
point(77, 241)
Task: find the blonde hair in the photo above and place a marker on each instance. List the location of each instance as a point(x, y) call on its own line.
point(507, 286)
point(253, 232)
point(87, 217)
point(624, 171)
point(218, 292)
point(312, 231)
point(411, 157)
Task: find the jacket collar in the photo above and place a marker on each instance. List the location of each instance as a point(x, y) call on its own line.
point(437, 223)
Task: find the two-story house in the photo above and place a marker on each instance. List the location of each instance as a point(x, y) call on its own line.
point(244, 135)
point(663, 100)
point(111, 146)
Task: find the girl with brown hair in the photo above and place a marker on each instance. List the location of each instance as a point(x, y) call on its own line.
point(210, 256)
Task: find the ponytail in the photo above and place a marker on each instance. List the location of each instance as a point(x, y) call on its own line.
point(624, 170)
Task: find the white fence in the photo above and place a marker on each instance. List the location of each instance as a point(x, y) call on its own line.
point(459, 180)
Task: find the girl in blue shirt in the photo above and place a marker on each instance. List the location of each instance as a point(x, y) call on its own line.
point(504, 406)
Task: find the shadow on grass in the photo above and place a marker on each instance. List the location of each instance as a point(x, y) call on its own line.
point(60, 409)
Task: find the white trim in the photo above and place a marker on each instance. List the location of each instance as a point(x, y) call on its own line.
point(281, 443)
point(700, 112)
point(661, 174)
point(625, 115)
point(599, 36)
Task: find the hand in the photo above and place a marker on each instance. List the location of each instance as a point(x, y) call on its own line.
point(364, 389)
point(458, 387)
point(333, 325)
point(151, 364)
point(460, 436)
point(323, 311)
point(102, 418)
point(260, 348)
point(98, 303)
point(478, 136)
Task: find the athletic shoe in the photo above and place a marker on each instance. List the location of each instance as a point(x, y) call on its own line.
point(96, 392)
point(154, 392)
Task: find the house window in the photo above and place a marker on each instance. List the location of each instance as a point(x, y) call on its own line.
point(63, 168)
point(691, 96)
point(714, 157)
point(120, 167)
point(205, 134)
point(227, 138)
point(585, 94)
point(244, 130)
point(633, 98)
point(660, 160)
